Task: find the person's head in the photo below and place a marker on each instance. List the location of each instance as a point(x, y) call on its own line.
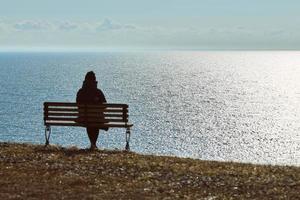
point(90, 80)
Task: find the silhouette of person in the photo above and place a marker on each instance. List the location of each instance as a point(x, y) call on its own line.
point(90, 94)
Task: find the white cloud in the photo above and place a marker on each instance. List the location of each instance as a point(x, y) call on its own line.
point(67, 26)
point(277, 33)
point(64, 26)
point(113, 33)
point(108, 25)
point(31, 25)
point(129, 26)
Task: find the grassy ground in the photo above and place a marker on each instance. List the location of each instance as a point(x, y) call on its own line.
point(34, 172)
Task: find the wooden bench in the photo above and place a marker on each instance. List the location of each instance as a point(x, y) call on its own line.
point(106, 115)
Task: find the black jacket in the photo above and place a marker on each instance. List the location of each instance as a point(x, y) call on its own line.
point(90, 95)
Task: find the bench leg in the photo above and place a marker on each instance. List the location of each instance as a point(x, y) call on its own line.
point(127, 147)
point(47, 134)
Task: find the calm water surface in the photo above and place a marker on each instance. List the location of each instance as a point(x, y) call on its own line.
point(228, 106)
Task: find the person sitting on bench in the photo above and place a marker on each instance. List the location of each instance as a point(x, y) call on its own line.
point(90, 94)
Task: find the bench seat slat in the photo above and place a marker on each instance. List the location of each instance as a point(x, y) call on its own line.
point(67, 114)
point(107, 110)
point(83, 120)
point(63, 109)
point(105, 105)
point(62, 104)
point(108, 125)
point(83, 110)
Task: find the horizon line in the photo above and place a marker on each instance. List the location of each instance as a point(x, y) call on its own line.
point(129, 49)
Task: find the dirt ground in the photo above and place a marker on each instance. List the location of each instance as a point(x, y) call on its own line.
point(35, 172)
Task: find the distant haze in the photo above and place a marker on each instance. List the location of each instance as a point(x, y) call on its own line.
point(141, 24)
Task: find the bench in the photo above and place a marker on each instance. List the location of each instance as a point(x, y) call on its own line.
point(106, 115)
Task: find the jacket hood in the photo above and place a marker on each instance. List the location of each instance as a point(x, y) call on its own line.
point(90, 81)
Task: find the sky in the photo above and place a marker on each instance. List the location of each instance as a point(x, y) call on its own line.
point(155, 24)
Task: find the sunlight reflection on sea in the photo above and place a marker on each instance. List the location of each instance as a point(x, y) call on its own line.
point(228, 106)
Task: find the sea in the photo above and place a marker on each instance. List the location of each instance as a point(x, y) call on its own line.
point(240, 106)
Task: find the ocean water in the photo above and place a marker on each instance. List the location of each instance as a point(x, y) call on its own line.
point(226, 106)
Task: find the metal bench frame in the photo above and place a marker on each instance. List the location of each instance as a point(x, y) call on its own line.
point(86, 115)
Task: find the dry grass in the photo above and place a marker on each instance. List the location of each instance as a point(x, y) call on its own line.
point(34, 172)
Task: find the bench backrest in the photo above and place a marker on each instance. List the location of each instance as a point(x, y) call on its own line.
point(73, 114)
